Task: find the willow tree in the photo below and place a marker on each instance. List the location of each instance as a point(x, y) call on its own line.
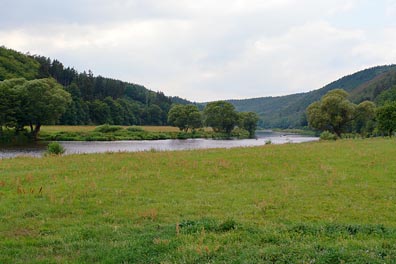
point(185, 117)
point(221, 116)
point(34, 103)
point(333, 112)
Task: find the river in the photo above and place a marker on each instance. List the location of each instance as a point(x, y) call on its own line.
point(79, 147)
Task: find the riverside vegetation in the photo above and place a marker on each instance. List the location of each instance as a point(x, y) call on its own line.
point(322, 202)
point(111, 132)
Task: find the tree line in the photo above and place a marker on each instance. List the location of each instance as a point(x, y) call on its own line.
point(95, 99)
point(221, 116)
point(99, 100)
point(335, 113)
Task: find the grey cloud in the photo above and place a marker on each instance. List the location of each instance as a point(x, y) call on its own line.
point(202, 50)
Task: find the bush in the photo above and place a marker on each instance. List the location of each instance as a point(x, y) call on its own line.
point(54, 148)
point(240, 133)
point(135, 129)
point(326, 135)
point(108, 128)
point(182, 135)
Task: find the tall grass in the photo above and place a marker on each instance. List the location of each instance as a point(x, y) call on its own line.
point(323, 202)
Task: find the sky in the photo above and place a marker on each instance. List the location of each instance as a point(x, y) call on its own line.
point(208, 50)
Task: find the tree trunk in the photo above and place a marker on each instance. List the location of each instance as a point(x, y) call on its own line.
point(36, 131)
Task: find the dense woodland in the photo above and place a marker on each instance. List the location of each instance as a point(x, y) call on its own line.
point(95, 99)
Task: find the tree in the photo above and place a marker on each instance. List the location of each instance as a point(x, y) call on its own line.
point(386, 118)
point(32, 103)
point(333, 112)
point(100, 112)
point(185, 117)
point(10, 102)
point(248, 121)
point(46, 101)
point(364, 122)
point(221, 116)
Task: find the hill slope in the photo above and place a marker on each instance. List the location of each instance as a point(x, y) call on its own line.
point(288, 111)
point(96, 99)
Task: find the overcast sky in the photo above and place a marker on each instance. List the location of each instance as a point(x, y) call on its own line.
point(207, 50)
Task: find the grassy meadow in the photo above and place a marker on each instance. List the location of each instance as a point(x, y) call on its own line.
point(321, 202)
point(111, 133)
point(53, 129)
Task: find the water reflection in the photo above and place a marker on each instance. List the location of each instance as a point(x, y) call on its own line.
point(75, 147)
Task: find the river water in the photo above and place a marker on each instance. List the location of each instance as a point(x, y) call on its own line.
point(79, 147)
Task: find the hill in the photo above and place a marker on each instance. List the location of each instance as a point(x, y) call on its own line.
point(288, 111)
point(96, 99)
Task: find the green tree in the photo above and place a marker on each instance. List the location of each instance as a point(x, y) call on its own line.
point(10, 102)
point(32, 103)
point(221, 116)
point(333, 112)
point(100, 113)
point(248, 121)
point(386, 118)
point(185, 117)
point(364, 122)
point(46, 101)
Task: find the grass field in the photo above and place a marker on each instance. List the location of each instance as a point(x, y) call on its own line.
point(322, 202)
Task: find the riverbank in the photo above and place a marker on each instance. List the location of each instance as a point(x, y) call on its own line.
point(84, 147)
point(321, 202)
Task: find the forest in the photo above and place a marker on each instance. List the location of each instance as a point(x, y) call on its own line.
point(95, 99)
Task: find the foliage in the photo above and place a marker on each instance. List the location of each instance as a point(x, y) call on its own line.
point(332, 112)
point(248, 121)
point(185, 117)
point(295, 203)
point(288, 111)
point(95, 99)
point(386, 117)
point(326, 135)
point(54, 148)
point(240, 133)
point(221, 116)
point(17, 65)
point(387, 96)
point(111, 133)
point(364, 121)
point(32, 103)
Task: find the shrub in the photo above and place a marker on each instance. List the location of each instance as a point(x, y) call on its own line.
point(135, 129)
point(108, 128)
point(326, 135)
point(240, 133)
point(182, 135)
point(54, 148)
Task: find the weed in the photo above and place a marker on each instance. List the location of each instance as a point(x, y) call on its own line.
point(54, 148)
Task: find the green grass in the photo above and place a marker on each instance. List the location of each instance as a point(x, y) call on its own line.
point(323, 202)
point(111, 133)
point(51, 129)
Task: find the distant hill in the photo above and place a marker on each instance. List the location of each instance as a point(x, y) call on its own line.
point(289, 111)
